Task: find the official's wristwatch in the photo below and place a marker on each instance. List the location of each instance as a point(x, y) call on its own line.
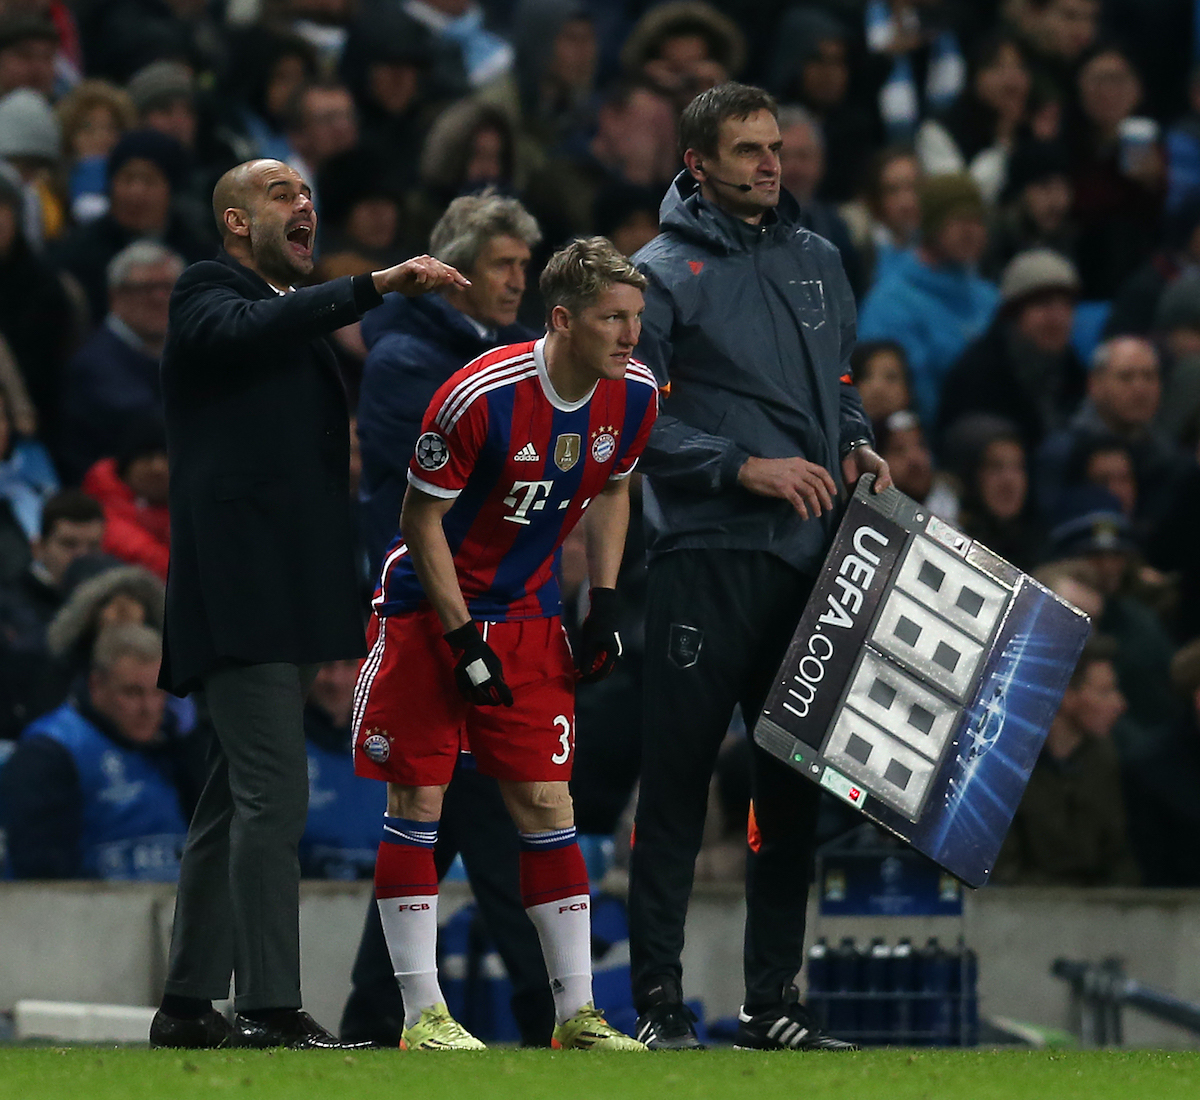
point(861, 441)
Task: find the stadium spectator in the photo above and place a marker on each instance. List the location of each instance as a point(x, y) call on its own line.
point(37, 320)
point(164, 96)
point(901, 441)
point(30, 148)
point(111, 383)
point(1183, 149)
point(810, 66)
point(557, 63)
point(1142, 287)
point(1124, 389)
point(102, 787)
point(364, 208)
point(932, 301)
point(880, 373)
point(1089, 525)
point(802, 166)
point(1118, 185)
point(683, 47)
point(1070, 828)
point(1058, 34)
point(268, 67)
point(1160, 789)
point(756, 365)
point(28, 44)
point(1023, 368)
point(122, 36)
point(145, 171)
point(101, 593)
point(1035, 207)
point(132, 488)
point(1177, 332)
point(979, 131)
point(72, 525)
point(93, 116)
point(321, 122)
point(883, 223)
point(27, 480)
point(627, 215)
point(341, 832)
point(634, 143)
point(989, 458)
point(401, 77)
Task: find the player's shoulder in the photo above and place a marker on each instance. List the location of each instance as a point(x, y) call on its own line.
point(638, 374)
point(502, 366)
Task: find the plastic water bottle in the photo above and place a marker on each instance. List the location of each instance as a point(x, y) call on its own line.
point(818, 980)
point(903, 983)
point(876, 1003)
point(845, 981)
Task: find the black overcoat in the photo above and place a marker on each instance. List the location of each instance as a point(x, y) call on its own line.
point(262, 560)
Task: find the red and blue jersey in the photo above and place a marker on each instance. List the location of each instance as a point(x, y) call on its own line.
point(521, 465)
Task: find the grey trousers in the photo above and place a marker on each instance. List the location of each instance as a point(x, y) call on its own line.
point(237, 910)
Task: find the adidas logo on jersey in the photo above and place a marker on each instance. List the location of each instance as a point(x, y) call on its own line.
point(528, 453)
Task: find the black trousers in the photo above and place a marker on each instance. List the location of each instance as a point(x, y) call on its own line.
point(476, 823)
point(237, 909)
point(718, 624)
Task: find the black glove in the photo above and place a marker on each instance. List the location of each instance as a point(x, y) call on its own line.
point(599, 638)
point(478, 673)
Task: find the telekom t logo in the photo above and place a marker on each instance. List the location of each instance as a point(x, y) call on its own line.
point(528, 496)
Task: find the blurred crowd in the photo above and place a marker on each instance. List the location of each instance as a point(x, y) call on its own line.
point(1014, 188)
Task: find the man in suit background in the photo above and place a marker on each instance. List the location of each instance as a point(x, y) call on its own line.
point(262, 587)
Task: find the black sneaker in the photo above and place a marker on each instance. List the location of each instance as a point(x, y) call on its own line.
point(668, 1027)
point(786, 1026)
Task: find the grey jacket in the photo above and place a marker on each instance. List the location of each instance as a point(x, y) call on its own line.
point(752, 326)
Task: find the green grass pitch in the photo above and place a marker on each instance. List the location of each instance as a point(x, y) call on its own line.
point(105, 1073)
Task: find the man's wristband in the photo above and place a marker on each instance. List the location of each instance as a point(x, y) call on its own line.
point(366, 297)
point(846, 448)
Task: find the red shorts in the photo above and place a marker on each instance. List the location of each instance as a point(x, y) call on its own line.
point(410, 722)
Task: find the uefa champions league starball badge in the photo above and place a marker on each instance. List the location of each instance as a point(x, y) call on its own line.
point(922, 680)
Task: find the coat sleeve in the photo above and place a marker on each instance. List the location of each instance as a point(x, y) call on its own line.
point(210, 312)
point(676, 454)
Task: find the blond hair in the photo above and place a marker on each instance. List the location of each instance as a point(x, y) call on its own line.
point(578, 274)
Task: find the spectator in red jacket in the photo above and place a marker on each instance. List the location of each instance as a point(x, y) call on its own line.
point(132, 489)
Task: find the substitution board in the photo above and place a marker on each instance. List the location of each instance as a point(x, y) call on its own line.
point(922, 679)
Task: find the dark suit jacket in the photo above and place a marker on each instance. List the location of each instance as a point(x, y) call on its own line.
point(262, 550)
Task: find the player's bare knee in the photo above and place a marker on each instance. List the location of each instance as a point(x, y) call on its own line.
point(415, 803)
point(536, 807)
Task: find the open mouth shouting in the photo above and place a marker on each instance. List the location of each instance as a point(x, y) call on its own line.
point(300, 238)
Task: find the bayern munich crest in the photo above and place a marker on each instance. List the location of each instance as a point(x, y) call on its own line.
point(604, 444)
point(377, 747)
point(432, 452)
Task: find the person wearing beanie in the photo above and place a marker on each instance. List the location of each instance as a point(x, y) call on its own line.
point(112, 380)
point(164, 95)
point(30, 146)
point(932, 301)
point(1023, 367)
point(146, 169)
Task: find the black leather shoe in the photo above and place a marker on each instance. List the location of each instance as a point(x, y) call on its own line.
point(207, 1032)
point(293, 1028)
point(787, 1026)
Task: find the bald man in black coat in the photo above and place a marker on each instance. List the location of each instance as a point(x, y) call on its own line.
point(262, 587)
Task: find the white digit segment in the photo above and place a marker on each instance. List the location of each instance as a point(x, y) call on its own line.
point(939, 652)
point(892, 699)
point(888, 768)
point(947, 584)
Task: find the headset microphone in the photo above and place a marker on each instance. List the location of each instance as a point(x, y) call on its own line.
point(726, 183)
